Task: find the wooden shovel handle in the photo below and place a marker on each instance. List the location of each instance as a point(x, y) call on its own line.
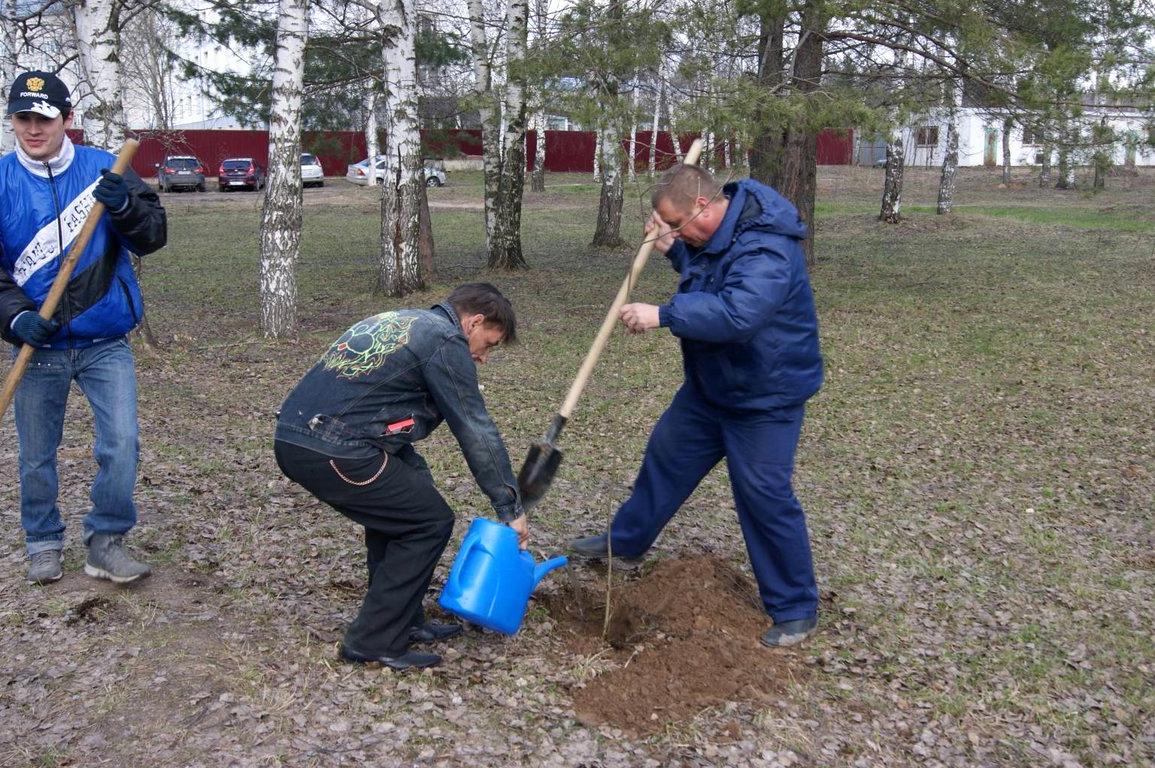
point(16, 372)
point(587, 369)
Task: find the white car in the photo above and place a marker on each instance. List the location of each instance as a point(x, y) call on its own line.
point(358, 173)
point(312, 174)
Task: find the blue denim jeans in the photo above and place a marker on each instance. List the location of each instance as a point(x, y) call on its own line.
point(106, 375)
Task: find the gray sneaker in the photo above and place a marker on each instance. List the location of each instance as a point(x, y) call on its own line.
point(107, 559)
point(44, 567)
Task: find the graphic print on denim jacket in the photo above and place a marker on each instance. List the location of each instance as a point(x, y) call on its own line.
point(363, 348)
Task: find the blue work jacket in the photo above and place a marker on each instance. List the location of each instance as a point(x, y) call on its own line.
point(744, 310)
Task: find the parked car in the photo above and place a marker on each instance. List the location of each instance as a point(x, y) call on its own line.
point(312, 174)
point(358, 173)
point(240, 173)
point(180, 172)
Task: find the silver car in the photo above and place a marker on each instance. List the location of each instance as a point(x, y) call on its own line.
point(358, 173)
point(312, 174)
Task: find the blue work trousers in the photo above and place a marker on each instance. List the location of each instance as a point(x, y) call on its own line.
point(106, 374)
point(689, 439)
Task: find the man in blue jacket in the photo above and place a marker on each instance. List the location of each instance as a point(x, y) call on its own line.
point(745, 316)
point(346, 433)
point(48, 186)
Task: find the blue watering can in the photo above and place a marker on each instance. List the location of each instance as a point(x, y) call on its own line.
point(491, 579)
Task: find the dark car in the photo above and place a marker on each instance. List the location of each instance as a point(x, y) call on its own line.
point(180, 172)
point(240, 173)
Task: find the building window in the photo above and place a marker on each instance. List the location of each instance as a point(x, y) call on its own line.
point(1032, 135)
point(928, 136)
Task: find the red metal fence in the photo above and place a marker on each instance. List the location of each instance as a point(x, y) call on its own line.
point(571, 151)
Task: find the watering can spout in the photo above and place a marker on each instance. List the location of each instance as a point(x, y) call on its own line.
point(541, 569)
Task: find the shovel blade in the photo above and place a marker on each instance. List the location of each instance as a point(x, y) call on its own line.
point(537, 473)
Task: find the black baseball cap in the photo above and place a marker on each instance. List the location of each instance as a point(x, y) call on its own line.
point(41, 92)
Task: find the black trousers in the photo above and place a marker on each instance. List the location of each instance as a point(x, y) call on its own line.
point(407, 525)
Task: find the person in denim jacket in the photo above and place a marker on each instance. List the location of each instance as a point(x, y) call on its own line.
point(744, 314)
point(346, 433)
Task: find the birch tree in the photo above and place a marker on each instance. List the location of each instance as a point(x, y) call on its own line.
point(949, 165)
point(97, 26)
point(608, 232)
point(372, 98)
point(505, 248)
point(891, 212)
point(487, 109)
point(541, 34)
point(633, 150)
point(281, 213)
point(537, 178)
point(659, 98)
point(401, 194)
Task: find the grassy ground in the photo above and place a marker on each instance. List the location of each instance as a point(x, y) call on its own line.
point(979, 475)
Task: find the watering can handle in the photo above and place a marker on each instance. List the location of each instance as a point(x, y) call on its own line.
point(453, 584)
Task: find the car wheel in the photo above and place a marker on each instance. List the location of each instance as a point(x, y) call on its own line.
point(320, 183)
point(201, 187)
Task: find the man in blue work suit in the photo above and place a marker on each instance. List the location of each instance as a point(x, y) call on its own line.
point(745, 315)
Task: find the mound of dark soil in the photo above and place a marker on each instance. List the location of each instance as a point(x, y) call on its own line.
point(684, 636)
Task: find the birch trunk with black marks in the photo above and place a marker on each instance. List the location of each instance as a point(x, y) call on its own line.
point(372, 97)
point(892, 188)
point(97, 25)
point(401, 192)
point(652, 160)
point(949, 167)
point(488, 111)
point(505, 249)
point(630, 162)
point(537, 178)
point(598, 155)
point(280, 231)
point(608, 232)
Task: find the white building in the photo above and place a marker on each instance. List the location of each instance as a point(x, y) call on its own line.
point(981, 139)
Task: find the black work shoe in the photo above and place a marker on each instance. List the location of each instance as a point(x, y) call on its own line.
point(790, 632)
point(597, 547)
point(430, 632)
point(407, 660)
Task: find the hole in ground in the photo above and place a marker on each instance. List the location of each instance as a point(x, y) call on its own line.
point(683, 637)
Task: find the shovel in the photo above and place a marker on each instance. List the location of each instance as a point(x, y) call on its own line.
point(61, 282)
point(543, 459)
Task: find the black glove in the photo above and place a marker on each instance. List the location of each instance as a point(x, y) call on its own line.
point(112, 191)
point(33, 329)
